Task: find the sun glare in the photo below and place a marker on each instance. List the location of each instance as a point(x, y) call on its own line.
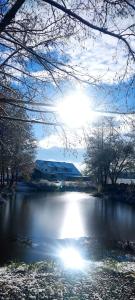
point(72, 226)
point(75, 110)
point(71, 258)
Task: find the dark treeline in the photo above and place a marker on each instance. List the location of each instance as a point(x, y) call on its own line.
point(17, 145)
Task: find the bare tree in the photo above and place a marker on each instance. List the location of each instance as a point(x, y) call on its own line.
point(33, 35)
point(17, 145)
point(109, 152)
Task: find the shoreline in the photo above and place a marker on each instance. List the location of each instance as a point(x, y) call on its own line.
point(92, 248)
point(106, 278)
point(119, 192)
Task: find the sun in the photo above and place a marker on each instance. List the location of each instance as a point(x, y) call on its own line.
point(74, 110)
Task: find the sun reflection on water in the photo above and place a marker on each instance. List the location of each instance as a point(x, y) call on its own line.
point(72, 228)
point(73, 225)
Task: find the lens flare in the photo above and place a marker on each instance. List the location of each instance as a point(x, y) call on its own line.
point(71, 258)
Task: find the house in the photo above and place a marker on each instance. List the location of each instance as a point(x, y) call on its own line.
point(54, 170)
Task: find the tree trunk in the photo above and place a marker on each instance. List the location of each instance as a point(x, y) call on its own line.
point(16, 175)
point(1, 178)
point(7, 177)
point(12, 179)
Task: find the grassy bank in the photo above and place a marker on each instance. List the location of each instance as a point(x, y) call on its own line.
point(105, 280)
point(107, 275)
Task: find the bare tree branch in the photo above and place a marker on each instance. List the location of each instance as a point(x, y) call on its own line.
point(130, 4)
point(6, 60)
point(92, 26)
point(30, 121)
point(20, 101)
point(10, 14)
point(27, 108)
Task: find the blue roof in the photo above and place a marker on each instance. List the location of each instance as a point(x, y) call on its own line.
point(57, 167)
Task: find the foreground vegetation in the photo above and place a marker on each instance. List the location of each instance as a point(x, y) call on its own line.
point(119, 192)
point(107, 279)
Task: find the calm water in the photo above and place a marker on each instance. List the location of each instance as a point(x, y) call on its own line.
point(39, 217)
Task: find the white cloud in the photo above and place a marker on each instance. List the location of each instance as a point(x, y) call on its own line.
point(4, 55)
point(101, 57)
point(80, 166)
point(104, 59)
point(69, 141)
point(50, 141)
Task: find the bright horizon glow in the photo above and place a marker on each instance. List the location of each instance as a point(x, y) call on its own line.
point(71, 258)
point(75, 110)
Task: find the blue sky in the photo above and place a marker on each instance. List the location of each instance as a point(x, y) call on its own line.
point(101, 60)
point(107, 96)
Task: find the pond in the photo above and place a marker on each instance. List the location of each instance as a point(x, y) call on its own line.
point(30, 221)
